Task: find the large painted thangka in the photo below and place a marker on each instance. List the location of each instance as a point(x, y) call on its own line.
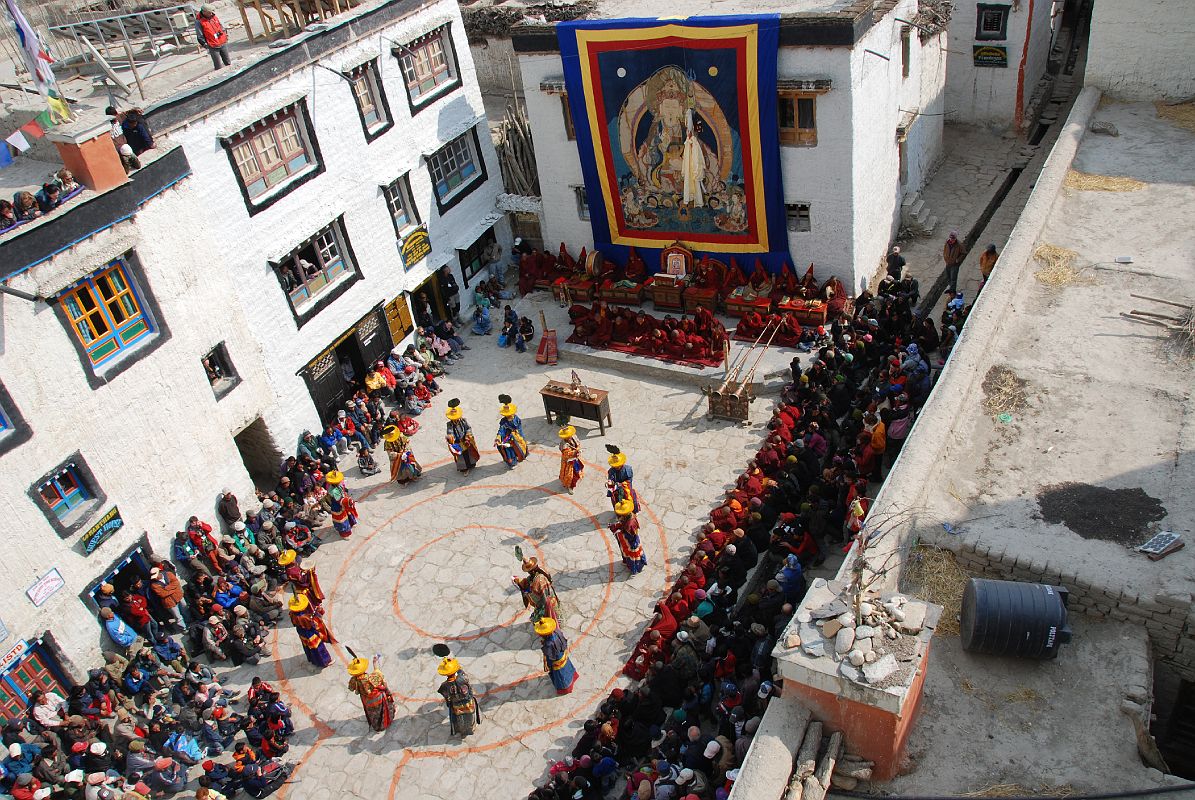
point(676, 128)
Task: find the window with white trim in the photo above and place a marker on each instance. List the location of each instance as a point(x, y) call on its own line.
point(454, 167)
point(582, 202)
point(398, 201)
point(315, 267)
point(428, 66)
point(67, 495)
point(370, 99)
point(273, 152)
point(991, 22)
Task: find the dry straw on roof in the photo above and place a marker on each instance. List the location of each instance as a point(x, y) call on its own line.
point(1087, 182)
point(1180, 114)
point(1058, 267)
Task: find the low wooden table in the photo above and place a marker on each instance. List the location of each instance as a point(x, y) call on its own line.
point(621, 295)
point(666, 296)
point(581, 290)
point(737, 306)
point(696, 298)
point(561, 402)
point(805, 312)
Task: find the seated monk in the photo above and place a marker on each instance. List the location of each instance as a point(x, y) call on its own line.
point(659, 341)
point(584, 328)
point(808, 289)
point(603, 329)
point(697, 345)
point(718, 339)
point(528, 272)
point(622, 327)
point(635, 270)
point(760, 280)
point(703, 321)
point(579, 269)
point(750, 326)
point(789, 334)
point(734, 279)
point(834, 293)
point(641, 328)
point(676, 344)
point(566, 265)
point(786, 284)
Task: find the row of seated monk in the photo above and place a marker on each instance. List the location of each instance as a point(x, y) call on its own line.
point(601, 326)
point(544, 269)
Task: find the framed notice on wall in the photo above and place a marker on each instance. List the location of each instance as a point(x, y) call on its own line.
point(989, 55)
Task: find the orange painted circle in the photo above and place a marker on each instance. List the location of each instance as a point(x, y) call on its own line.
point(398, 612)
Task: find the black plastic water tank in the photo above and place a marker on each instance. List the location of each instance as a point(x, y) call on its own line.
point(1008, 618)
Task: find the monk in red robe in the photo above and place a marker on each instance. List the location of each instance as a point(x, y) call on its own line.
point(808, 284)
point(622, 327)
point(734, 278)
point(789, 334)
point(786, 284)
point(703, 321)
point(676, 344)
point(528, 272)
point(636, 270)
point(760, 280)
point(604, 329)
point(750, 326)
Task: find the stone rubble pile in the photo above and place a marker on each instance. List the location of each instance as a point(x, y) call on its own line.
point(873, 644)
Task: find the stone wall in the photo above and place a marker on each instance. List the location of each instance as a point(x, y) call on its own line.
point(1142, 50)
point(1168, 618)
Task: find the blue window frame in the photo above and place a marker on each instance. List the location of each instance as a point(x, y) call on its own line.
point(106, 313)
point(5, 425)
point(64, 491)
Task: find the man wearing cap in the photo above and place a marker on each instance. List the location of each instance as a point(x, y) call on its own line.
point(24, 785)
point(509, 440)
point(168, 777)
point(227, 508)
point(693, 782)
point(211, 36)
point(896, 263)
point(953, 254)
point(556, 658)
point(168, 593)
point(348, 429)
point(463, 711)
point(376, 699)
point(459, 435)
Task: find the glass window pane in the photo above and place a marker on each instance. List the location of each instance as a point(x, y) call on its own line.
point(805, 113)
point(50, 495)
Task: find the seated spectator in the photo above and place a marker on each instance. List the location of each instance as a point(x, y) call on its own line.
point(48, 198)
point(26, 207)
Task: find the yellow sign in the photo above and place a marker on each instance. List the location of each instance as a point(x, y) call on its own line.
point(398, 317)
point(416, 246)
point(989, 55)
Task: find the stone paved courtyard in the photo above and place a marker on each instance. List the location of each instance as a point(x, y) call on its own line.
point(433, 563)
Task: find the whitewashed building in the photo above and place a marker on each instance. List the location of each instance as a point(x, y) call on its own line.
point(264, 235)
point(999, 52)
point(861, 113)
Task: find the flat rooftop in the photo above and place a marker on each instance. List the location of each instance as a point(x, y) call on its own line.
point(1073, 446)
point(713, 8)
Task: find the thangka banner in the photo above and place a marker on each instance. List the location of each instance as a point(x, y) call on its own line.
point(677, 133)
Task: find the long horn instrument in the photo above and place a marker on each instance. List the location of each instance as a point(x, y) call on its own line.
point(751, 373)
point(741, 360)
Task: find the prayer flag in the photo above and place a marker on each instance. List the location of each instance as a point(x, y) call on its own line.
point(18, 141)
point(32, 130)
point(59, 107)
point(45, 121)
point(37, 56)
point(5, 156)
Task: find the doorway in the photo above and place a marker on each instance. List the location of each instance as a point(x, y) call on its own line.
point(259, 453)
point(124, 573)
point(526, 226)
point(31, 666)
point(431, 289)
point(336, 373)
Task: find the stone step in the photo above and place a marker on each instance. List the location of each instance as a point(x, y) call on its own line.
point(916, 209)
point(910, 199)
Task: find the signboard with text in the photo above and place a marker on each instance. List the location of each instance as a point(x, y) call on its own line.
point(45, 587)
point(989, 55)
point(102, 531)
point(12, 656)
point(416, 246)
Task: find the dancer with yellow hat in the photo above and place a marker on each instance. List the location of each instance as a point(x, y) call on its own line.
point(376, 699)
point(509, 441)
point(571, 466)
point(463, 711)
point(626, 531)
point(403, 466)
point(313, 633)
point(460, 439)
point(302, 581)
point(556, 661)
point(620, 479)
point(344, 510)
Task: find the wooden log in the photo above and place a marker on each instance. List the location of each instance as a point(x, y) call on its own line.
point(860, 770)
point(807, 755)
point(796, 790)
point(826, 767)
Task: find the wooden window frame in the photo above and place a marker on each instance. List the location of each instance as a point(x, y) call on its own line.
point(366, 87)
point(582, 198)
point(906, 50)
point(796, 136)
point(436, 169)
point(416, 57)
point(328, 281)
point(14, 431)
point(74, 507)
point(229, 378)
point(400, 190)
point(798, 213)
point(570, 130)
point(982, 35)
point(94, 303)
point(471, 255)
point(280, 176)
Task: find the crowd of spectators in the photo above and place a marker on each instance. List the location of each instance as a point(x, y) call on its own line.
point(703, 670)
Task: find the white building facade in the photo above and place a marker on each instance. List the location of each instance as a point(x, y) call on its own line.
point(863, 98)
point(998, 55)
point(264, 236)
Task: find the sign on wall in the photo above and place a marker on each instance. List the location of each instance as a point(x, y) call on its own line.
point(45, 587)
point(416, 246)
point(989, 55)
point(102, 531)
point(12, 656)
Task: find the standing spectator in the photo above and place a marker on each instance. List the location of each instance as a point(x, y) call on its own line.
point(896, 263)
point(492, 258)
point(169, 592)
point(211, 36)
point(987, 262)
point(953, 254)
point(449, 291)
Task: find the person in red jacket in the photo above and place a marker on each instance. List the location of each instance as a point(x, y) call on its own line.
point(210, 34)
